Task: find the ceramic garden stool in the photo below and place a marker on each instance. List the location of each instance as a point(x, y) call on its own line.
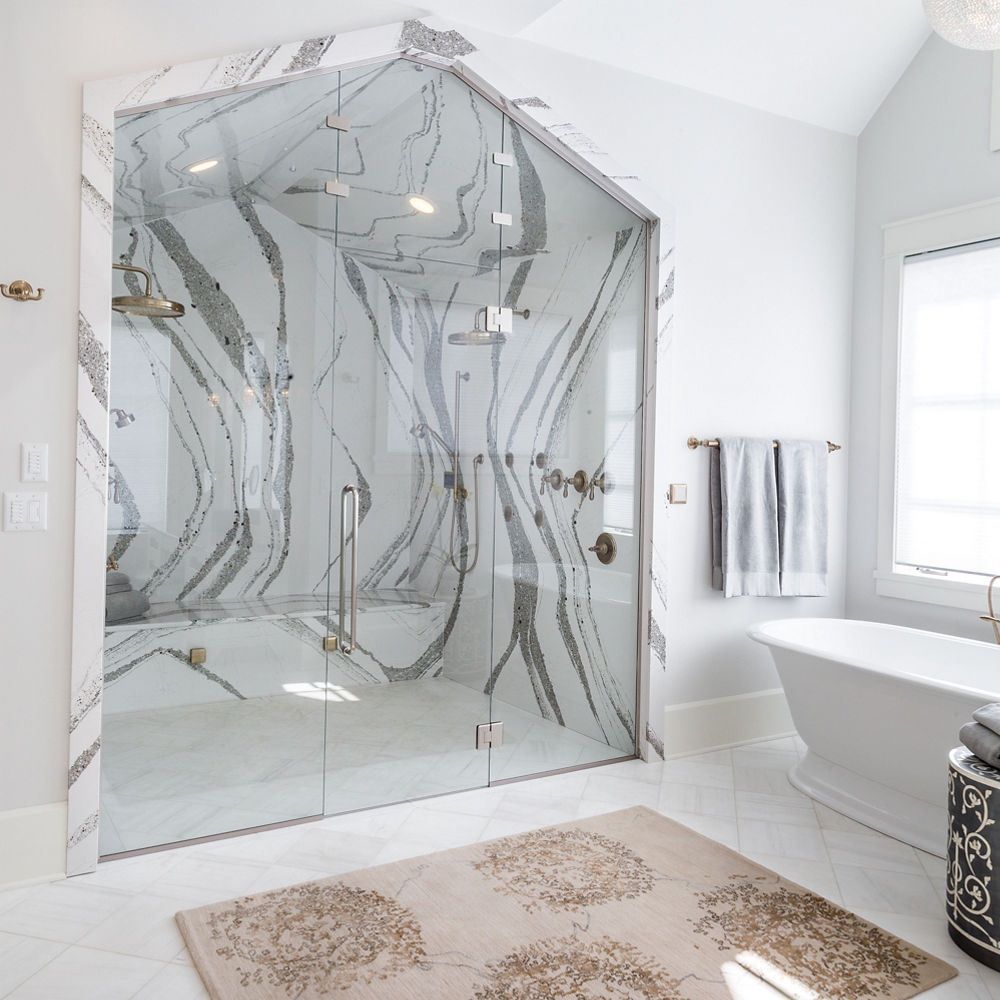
point(973, 850)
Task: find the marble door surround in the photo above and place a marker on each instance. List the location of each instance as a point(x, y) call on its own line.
point(434, 43)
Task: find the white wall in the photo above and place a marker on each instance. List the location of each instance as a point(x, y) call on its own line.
point(925, 150)
point(764, 229)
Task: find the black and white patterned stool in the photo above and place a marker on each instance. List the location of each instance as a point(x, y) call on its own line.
point(973, 849)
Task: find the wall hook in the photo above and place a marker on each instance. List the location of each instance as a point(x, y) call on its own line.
point(21, 291)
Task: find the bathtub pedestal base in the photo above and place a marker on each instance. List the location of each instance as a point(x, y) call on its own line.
point(913, 821)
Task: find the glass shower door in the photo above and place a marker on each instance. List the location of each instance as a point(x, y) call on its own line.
point(573, 272)
point(415, 258)
point(214, 711)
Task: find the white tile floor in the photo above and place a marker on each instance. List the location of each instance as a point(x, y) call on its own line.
point(111, 935)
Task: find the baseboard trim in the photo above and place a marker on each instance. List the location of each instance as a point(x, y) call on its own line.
point(721, 723)
point(34, 845)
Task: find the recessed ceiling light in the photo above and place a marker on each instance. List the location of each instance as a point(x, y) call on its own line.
point(421, 204)
point(197, 168)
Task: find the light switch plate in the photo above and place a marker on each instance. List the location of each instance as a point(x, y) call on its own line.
point(25, 511)
point(34, 463)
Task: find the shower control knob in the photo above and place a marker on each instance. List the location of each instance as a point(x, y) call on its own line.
point(603, 482)
point(579, 481)
point(606, 548)
point(555, 479)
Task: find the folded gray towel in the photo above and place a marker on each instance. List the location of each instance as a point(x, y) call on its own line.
point(113, 578)
point(802, 517)
point(983, 742)
point(989, 716)
point(120, 607)
point(118, 588)
point(744, 518)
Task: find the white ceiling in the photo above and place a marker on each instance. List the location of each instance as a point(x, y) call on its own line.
point(826, 62)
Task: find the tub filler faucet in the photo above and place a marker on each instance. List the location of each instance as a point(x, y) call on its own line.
point(991, 617)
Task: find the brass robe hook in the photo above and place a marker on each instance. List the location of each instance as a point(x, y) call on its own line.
point(21, 291)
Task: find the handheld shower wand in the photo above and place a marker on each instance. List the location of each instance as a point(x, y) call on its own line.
point(459, 492)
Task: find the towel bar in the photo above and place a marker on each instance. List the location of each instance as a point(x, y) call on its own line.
point(693, 443)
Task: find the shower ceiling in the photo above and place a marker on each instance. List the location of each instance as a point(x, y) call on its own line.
point(386, 158)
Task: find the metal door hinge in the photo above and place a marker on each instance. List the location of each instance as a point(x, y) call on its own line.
point(331, 644)
point(499, 319)
point(338, 122)
point(503, 159)
point(197, 655)
point(502, 218)
point(489, 735)
point(338, 188)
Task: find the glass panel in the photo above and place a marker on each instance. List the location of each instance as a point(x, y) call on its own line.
point(415, 688)
point(219, 485)
point(332, 341)
point(565, 650)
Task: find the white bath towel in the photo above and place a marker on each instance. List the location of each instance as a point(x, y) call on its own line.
point(803, 517)
point(744, 518)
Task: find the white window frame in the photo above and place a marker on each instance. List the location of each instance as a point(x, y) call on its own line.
point(954, 227)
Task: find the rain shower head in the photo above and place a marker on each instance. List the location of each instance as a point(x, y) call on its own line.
point(479, 337)
point(148, 304)
point(123, 419)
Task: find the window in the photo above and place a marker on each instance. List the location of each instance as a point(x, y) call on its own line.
point(940, 537)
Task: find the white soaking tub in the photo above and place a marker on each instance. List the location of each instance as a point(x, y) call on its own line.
point(879, 707)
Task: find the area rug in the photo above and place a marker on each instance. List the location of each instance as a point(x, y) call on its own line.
point(625, 905)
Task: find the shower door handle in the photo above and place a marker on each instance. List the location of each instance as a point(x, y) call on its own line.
point(352, 492)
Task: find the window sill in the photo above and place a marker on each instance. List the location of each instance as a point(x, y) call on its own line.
point(950, 593)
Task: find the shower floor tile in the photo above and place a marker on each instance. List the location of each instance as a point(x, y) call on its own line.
point(230, 765)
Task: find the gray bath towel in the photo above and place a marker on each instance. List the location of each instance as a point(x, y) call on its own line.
point(118, 588)
point(989, 716)
point(803, 517)
point(983, 742)
point(120, 607)
point(744, 518)
point(113, 578)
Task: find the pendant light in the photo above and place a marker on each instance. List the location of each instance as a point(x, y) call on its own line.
point(970, 24)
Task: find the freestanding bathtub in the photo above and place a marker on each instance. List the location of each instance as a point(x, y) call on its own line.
point(879, 707)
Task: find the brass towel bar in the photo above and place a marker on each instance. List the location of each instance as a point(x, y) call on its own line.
point(693, 443)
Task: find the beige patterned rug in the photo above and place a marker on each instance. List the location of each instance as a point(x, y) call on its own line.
point(625, 905)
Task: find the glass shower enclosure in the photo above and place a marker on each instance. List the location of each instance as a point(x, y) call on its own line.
point(375, 496)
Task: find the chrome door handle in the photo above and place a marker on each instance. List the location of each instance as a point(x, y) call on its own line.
point(349, 491)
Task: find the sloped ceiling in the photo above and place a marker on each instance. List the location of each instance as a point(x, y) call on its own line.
point(825, 62)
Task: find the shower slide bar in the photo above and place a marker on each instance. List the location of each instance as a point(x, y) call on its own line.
point(352, 492)
point(693, 443)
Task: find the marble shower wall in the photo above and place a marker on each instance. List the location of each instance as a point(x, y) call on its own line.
point(222, 486)
point(214, 479)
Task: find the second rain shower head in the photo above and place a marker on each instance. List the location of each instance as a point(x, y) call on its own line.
point(479, 337)
point(148, 304)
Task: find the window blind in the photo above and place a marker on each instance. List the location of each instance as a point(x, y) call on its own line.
point(948, 411)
